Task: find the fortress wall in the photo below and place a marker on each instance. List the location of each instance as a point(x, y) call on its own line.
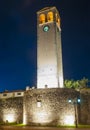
point(85, 107)
point(49, 106)
point(11, 109)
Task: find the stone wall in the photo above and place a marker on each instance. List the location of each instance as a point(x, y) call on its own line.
point(11, 110)
point(49, 106)
point(85, 107)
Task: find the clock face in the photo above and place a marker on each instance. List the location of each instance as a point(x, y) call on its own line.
point(46, 28)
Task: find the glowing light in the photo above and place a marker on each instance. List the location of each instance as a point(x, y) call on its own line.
point(78, 100)
point(50, 16)
point(24, 115)
point(39, 104)
point(41, 117)
point(69, 120)
point(24, 119)
point(9, 117)
point(58, 21)
point(69, 100)
point(42, 18)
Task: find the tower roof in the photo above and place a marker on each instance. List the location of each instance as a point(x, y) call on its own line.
point(47, 9)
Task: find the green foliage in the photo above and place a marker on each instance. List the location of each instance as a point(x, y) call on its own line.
point(83, 83)
point(84, 126)
point(68, 83)
point(78, 84)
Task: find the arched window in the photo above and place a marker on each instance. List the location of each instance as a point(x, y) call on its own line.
point(42, 18)
point(50, 16)
point(57, 19)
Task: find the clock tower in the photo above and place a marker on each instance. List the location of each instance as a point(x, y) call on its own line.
point(49, 50)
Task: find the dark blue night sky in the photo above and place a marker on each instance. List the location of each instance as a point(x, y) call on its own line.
point(18, 40)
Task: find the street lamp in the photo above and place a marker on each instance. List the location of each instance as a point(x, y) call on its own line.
point(75, 103)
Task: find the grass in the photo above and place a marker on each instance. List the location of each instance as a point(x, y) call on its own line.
point(19, 125)
point(69, 126)
point(12, 124)
point(60, 126)
point(73, 126)
point(83, 126)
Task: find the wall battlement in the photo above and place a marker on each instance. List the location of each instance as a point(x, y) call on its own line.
point(7, 94)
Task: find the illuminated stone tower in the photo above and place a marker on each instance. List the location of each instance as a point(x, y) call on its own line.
point(49, 50)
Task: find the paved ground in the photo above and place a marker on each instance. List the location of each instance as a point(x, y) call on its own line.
point(38, 128)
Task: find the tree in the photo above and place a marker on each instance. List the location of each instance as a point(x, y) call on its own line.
point(68, 83)
point(78, 84)
point(83, 83)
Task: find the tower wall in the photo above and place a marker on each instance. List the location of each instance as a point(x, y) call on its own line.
point(49, 51)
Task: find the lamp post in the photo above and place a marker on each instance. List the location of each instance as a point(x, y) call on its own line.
point(75, 103)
